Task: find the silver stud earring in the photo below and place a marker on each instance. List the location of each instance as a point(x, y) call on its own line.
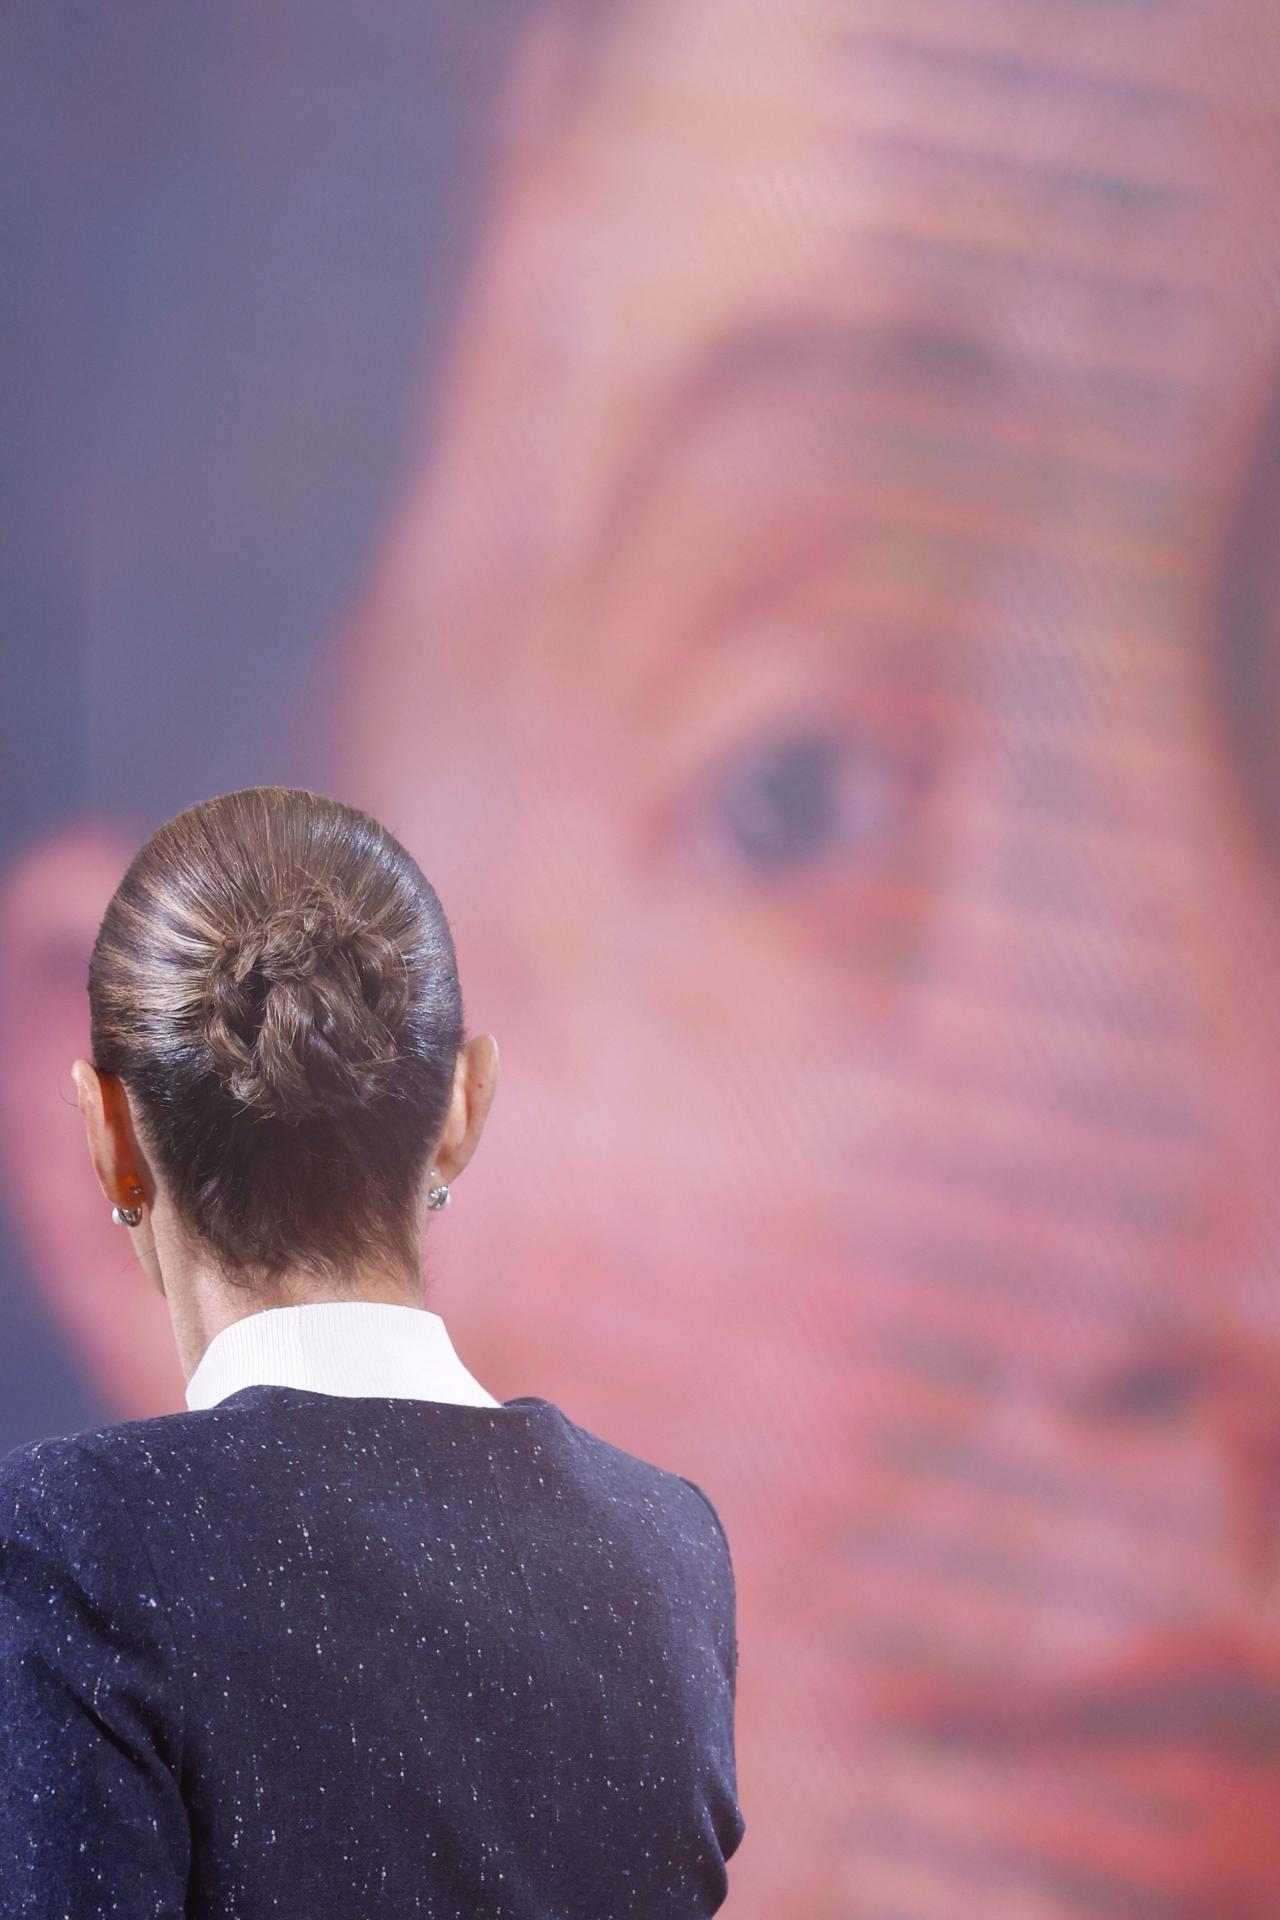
point(127, 1216)
point(438, 1197)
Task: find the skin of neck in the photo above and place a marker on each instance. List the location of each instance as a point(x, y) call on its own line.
point(200, 1298)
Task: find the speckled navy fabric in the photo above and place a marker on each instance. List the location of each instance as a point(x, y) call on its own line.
point(323, 1657)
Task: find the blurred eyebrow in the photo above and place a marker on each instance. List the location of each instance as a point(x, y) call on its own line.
point(801, 362)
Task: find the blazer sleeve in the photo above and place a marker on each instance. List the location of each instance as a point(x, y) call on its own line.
point(92, 1822)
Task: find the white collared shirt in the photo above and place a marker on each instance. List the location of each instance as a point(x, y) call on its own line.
point(337, 1346)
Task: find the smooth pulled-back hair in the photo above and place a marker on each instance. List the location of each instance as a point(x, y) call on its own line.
point(274, 982)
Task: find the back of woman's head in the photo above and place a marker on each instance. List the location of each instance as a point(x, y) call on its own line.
point(275, 984)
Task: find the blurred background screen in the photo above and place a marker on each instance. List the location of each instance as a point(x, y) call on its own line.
point(774, 502)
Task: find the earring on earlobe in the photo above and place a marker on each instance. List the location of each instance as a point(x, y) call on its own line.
point(127, 1216)
point(438, 1196)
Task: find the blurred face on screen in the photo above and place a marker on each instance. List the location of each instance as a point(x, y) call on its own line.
point(796, 668)
point(828, 665)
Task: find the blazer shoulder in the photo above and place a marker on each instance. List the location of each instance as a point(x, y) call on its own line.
point(70, 1526)
point(642, 1475)
point(116, 1443)
point(45, 1473)
point(60, 1489)
point(71, 1481)
point(705, 1498)
point(665, 1492)
point(92, 1709)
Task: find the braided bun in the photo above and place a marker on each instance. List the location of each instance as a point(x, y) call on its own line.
point(304, 1008)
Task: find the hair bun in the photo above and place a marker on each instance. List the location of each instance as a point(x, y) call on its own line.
point(305, 1004)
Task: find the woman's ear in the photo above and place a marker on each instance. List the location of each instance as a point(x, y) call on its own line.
point(52, 898)
point(475, 1081)
point(113, 1146)
point(93, 1111)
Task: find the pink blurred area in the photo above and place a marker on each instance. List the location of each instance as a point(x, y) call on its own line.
point(774, 505)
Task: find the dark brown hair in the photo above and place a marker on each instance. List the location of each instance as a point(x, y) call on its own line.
point(274, 982)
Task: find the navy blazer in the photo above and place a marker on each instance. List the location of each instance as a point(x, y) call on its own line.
point(315, 1657)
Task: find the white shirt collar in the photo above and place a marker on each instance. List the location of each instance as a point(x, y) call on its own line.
point(337, 1346)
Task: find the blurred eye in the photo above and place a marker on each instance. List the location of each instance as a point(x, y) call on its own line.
point(783, 803)
point(1158, 1390)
